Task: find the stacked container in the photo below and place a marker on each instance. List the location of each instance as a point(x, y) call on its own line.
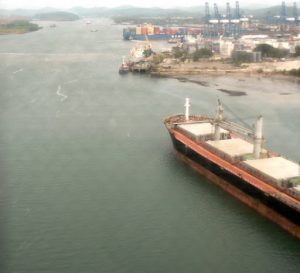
point(138, 30)
point(156, 30)
point(144, 30)
point(150, 30)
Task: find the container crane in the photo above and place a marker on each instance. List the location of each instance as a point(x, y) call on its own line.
point(228, 29)
point(207, 19)
point(295, 14)
point(217, 19)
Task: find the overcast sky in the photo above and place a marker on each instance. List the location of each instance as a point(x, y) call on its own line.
point(113, 3)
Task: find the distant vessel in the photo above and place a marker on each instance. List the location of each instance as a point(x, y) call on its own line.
point(150, 32)
point(52, 25)
point(232, 157)
point(124, 68)
point(173, 41)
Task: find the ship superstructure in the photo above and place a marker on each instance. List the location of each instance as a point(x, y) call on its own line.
point(233, 157)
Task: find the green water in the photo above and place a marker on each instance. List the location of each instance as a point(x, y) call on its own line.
point(89, 179)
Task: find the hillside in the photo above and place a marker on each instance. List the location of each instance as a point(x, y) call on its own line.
point(196, 12)
point(56, 16)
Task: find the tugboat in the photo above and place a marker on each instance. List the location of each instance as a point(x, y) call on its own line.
point(124, 68)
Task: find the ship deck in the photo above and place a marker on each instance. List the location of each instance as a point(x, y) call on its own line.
point(251, 176)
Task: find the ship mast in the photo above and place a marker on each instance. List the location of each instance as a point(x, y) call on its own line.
point(218, 120)
point(123, 60)
point(187, 109)
point(258, 137)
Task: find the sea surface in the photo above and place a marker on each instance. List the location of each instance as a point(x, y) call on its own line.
point(89, 179)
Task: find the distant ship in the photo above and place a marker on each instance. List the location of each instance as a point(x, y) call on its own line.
point(124, 68)
point(233, 157)
point(150, 32)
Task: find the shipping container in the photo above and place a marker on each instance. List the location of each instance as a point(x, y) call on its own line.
point(138, 30)
point(144, 30)
point(167, 30)
point(150, 30)
point(173, 31)
point(156, 30)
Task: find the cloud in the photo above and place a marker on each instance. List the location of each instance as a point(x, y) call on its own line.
point(113, 3)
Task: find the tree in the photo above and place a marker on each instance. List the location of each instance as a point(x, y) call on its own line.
point(270, 51)
point(180, 53)
point(147, 52)
point(295, 72)
point(201, 53)
point(240, 57)
point(297, 51)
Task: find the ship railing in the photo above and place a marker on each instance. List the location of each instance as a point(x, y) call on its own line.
point(234, 127)
point(175, 120)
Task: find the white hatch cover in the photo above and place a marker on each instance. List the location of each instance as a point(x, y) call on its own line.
point(199, 129)
point(275, 167)
point(233, 147)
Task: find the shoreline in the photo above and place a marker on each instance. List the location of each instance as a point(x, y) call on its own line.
point(185, 76)
point(188, 76)
point(187, 71)
point(218, 81)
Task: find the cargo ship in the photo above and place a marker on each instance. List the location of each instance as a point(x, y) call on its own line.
point(234, 158)
point(150, 32)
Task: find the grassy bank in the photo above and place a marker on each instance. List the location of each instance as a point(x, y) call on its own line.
point(18, 27)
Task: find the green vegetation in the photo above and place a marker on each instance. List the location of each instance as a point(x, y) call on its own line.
point(297, 51)
point(270, 51)
point(57, 16)
point(240, 57)
point(147, 52)
point(295, 72)
point(158, 58)
point(183, 54)
point(201, 53)
point(18, 27)
point(180, 53)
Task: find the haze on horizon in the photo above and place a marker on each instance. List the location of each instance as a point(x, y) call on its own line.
point(36, 4)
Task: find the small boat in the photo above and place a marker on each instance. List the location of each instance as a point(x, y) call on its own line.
point(173, 41)
point(124, 68)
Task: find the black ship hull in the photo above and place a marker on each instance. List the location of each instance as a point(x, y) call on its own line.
point(267, 205)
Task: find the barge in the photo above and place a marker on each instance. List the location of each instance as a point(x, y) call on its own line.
point(233, 157)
